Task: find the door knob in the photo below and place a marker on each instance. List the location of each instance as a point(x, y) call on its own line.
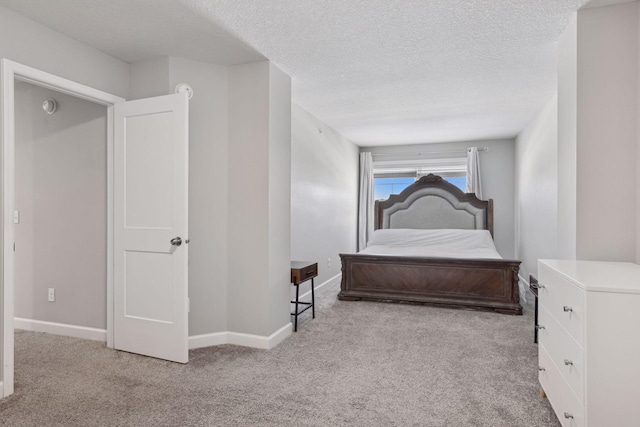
point(176, 241)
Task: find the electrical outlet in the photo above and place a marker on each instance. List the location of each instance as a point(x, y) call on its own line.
point(52, 295)
point(328, 262)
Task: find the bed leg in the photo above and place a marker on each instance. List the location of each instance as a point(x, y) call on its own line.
point(542, 393)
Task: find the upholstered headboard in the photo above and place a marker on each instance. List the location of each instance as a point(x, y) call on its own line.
point(432, 203)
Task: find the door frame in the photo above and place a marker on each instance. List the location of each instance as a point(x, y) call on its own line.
point(10, 72)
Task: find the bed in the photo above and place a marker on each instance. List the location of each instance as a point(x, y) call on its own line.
point(433, 245)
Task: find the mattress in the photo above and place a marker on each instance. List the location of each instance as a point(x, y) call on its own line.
point(441, 243)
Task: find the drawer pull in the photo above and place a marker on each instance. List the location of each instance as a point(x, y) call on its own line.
point(568, 362)
point(537, 286)
point(566, 308)
point(309, 273)
point(540, 368)
point(568, 415)
point(538, 327)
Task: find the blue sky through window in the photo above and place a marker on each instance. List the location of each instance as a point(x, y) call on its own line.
point(458, 181)
point(384, 187)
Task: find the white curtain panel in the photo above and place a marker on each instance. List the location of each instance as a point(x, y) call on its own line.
point(473, 172)
point(365, 203)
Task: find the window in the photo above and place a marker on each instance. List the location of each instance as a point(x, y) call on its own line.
point(393, 176)
point(459, 181)
point(385, 185)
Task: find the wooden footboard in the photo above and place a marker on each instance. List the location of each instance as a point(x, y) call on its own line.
point(479, 284)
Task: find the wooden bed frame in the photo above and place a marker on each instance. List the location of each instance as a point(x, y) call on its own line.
point(478, 284)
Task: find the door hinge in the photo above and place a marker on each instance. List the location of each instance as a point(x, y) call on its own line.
point(14, 246)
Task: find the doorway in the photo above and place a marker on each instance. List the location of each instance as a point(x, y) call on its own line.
point(147, 173)
point(12, 73)
point(60, 216)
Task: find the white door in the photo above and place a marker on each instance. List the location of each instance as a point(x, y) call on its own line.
point(150, 227)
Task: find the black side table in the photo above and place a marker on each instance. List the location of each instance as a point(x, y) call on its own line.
point(301, 271)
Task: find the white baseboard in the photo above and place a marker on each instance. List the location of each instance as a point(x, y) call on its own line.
point(258, 341)
point(60, 329)
point(207, 340)
point(195, 341)
point(238, 338)
point(523, 280)
point(280, 335)
point(335, 278)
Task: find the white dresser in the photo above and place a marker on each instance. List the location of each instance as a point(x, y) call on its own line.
point(589, 341)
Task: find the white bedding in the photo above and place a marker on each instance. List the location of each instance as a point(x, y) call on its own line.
point(432, 243)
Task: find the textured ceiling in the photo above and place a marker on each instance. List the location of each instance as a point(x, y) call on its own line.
point(378, 71)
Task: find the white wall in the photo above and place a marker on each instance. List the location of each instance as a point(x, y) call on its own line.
point(567, 140)
point(208, 187)
point(607, 112)
point(279, 251)
point(497, 169)
point(324, 194)
point(150, 78)
point(259, 193)
point(32, 44)
point(61, 193)
point(537, 190)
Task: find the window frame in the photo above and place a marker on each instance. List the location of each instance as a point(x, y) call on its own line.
point(417, 168)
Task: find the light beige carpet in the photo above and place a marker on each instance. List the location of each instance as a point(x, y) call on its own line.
point(356, 364)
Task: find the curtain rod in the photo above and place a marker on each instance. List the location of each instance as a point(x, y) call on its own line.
point(419, 153)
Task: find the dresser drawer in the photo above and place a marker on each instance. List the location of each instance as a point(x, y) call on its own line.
point(301, 272)
point(559, 393)
point(564, 301)
point(565, 352)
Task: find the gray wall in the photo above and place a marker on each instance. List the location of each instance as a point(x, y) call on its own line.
point(607, 126)
point(150, 78)
point(32, 44)
point(259, 198)
point(537, 190)
point(208, 187)
point(61, 193)
point(324, 194)
point(567, 140)
point(497, 169)
point(279, 250)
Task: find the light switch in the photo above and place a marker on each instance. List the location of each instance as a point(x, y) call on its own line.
point(16, 217)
